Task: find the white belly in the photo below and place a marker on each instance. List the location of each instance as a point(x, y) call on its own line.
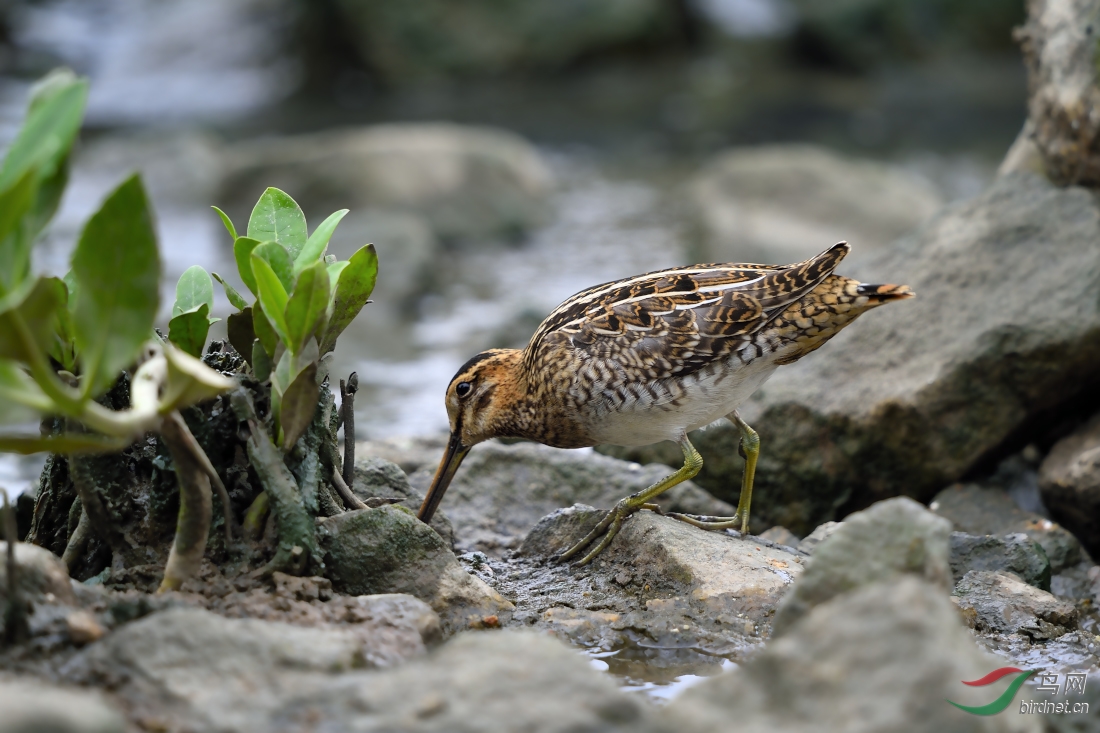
point(703, 398)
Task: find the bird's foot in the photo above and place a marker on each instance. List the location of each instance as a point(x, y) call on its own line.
point(609, 526)
point(737, 521)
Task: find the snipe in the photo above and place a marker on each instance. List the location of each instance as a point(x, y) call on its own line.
point(651, 358)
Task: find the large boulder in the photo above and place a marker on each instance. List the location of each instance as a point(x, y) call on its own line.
point(1070, 481)
point(435, 38)
point(893, 538)
point(386, 550)
point(466, 182)
point(502, 491)
point(764, 204)
point(1005, 326)
point(1015, 553)
point(885, 657)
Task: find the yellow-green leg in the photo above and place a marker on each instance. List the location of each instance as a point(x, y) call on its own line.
point(750, 446)
point(609, 526)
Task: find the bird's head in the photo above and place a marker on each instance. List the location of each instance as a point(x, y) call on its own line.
point(478, 399)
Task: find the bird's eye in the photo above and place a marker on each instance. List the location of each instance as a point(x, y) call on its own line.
point(463, 389)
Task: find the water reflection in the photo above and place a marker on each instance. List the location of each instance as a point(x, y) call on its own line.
point(659, 674)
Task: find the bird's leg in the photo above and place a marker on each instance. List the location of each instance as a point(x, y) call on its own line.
point(750, 449)
point(611, 523)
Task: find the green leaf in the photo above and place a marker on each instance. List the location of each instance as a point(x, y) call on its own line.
point(353, 289)
point(298, 405)
point(188, 330)
point(66, 444)
point(227, 222)
point(272, 297)
point(36, 306)
point(277, 218)
point(15, 238)
point(230, 292)
point(263, 330)
point(275, 255)
point(241, 333)
point(318, 241)
point(307, 305)
point(242, 253)
point(190, 381)
point(63, 345)
point(21, 399)
point(117, 269)
point(261, 362)
point(193, 289)
point(47, 135)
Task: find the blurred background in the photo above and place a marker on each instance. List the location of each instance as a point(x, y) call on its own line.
point(503, 154)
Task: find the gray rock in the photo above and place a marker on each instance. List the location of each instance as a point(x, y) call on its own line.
point(911, 397)
point(681, 586)
point(884, 657)
point(501, 491)
point(488, 682)
point(894, 537)
point(378, 478)
point(465, 182)
point(1060, 54)
point(982, 510)
point(192, 669)
point(820, 533)
point(405, 45)
point(1069, 479)
point(387, 550)
point(1002, 603)
point(38, 707)
point(763, 204)
point(1016, 553)
point(40, 573)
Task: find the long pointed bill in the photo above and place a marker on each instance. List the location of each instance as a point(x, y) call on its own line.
point(452, 459)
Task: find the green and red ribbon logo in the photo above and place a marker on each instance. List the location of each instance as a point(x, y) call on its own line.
point(1005, 699)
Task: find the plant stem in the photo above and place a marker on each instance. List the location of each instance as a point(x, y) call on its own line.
point(193, 525)
point(74, 548)
point(298, 550)
point(347, 410)
point(16, 626)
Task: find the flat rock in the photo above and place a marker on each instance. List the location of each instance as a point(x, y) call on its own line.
point(1002, 603)
point(914, 395)
point(411, 453)
point(983, 510)
point(465, 182)
point(1069, 479)
point(40, 573)
point(884, 657)
point(502, 491)
point(191, 669)
point(387, 550)
point(38, 707)
point(675, 584)
point(892, 538)
point(1015, 553)
point(764, 203)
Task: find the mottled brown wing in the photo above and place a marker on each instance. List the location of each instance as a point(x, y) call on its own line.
point(675, 322)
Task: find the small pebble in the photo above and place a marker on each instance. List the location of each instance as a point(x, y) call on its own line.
point(83, 628)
